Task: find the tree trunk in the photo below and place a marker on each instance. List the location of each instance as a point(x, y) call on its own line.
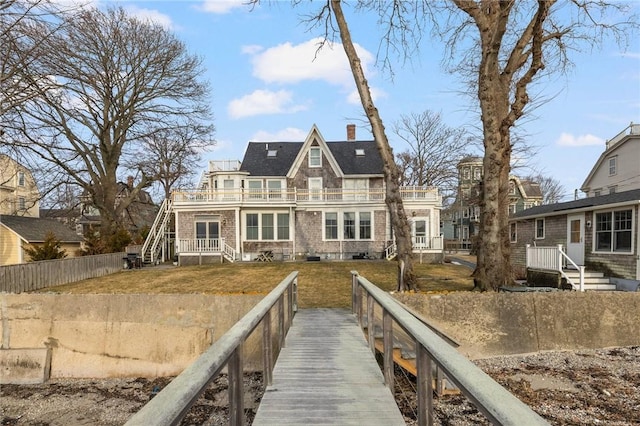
point(393, 198)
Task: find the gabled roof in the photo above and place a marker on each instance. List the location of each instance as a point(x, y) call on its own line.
point(34, 229)
point(632, 132)
point(258, 162)
point(589, 203)
point(351, 163)
point(531, 189)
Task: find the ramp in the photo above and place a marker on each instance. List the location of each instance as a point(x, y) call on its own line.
point(326, 375)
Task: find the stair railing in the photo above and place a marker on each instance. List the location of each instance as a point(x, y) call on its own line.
point(552, 259)
point(172, 403)
point(229, 252)
point(491, 399)
point(156, 233)
point(391, 251)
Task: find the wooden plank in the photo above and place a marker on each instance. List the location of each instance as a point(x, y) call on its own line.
point(326, 374)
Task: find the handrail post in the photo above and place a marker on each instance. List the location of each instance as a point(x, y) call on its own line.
point(559, 257)
point(354, 287)
point(236, 393)
point(281, 332)
point(387, 340)
point(370, 323)
point(581, 268)
point(267, 352)
point(425, 388)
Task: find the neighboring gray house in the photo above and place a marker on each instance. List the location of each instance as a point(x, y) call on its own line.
point(294, 200)
point(618, 168)
point(600, 233)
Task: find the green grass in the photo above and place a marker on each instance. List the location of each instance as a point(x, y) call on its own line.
point(320, 284)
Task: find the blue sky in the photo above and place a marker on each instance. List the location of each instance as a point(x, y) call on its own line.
point(267, 86)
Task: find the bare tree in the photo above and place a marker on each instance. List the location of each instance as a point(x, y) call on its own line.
point(552, 190)
point(434, 150)
point(167, 156)
point(393, 198)
point(105, 82)
point(514, 43)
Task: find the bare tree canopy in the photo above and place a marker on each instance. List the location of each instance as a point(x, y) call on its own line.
point(434, 150)
point(104, 83)
point(552, 190)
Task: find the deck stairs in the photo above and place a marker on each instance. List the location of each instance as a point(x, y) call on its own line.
point(391, 251)
point(593, 281)
point(152, 245)
point(404, 353)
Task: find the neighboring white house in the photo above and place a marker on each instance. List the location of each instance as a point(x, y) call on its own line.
point(296, 200)
point(618, 168)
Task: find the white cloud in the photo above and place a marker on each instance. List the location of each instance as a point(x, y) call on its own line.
point(150, 15)
point(223, 6)
point(287, 63)
point(567, 139)
point(376, 94)
point(262, 102)
point(290, 134)
point(251, 49)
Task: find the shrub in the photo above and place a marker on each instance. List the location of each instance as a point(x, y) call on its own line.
point(50, 249)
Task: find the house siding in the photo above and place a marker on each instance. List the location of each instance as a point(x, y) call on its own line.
point(9, 247)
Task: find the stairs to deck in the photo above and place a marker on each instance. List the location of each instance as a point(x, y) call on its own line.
point(593, 281)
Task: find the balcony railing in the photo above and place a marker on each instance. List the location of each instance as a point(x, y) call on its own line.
point(293, 195)
point(200, 245)
point(425, 243)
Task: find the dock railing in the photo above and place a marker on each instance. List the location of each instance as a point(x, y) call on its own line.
point(491, 399)
point(171, 404)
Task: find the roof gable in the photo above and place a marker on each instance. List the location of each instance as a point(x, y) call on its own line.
point(314, 138)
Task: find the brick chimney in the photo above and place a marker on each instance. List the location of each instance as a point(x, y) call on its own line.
point(351, 132)
point(130, 181)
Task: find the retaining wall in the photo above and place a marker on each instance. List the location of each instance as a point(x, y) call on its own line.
point(489, 324)
point(123, 335)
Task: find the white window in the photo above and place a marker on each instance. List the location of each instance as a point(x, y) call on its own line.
point(272, 153)
point(315, 188)
point(354, 225)
point(331, 226)
point(420, 233)
point(355, 189)
point(267, 226)
point(315, 157)
point(613, 163)
point(476, 173)
point(359, 152)
point(275, 189)
point(613, 231)
point(22, 204)
point(465, 173)
point(20, 178)
point(255, 189)
point(228, 189)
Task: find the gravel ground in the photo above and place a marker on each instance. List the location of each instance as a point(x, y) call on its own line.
point(586, 387)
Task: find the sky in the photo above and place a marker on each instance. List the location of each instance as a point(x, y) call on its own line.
point(270, 83)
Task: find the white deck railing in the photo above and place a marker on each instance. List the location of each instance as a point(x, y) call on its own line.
point(424, 243)
point(294, 195)
point(553, 259)
point(200, 245)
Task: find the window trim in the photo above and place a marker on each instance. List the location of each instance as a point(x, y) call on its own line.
point(613, 165)
point(613, 232)
point(22, 179)
point(276, 228)
point(513, 232)
point(357, 225)
point(313, 157)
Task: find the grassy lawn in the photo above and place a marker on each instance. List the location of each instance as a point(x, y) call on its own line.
point(320, 284)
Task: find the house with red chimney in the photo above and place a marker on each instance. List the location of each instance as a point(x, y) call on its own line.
point(312, 199)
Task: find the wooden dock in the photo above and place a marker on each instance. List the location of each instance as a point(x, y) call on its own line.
point(326, 375)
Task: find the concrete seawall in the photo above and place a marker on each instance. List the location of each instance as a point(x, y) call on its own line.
point(122, 335)
point(488, 324)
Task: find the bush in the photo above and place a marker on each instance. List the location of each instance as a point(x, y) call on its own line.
point(50, 249)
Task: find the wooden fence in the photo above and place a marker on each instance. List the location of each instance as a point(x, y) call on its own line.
point(48, 273)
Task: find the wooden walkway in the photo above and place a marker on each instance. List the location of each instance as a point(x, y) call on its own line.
point(326, 375)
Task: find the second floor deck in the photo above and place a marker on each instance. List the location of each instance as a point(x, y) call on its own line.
point(296, 196)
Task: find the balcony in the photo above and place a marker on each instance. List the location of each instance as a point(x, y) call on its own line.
point(293, 196)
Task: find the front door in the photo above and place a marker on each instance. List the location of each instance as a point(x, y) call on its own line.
point(575, 238)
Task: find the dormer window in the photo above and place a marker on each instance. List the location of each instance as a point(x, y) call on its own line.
point(359, 152)
point(272, 153)
point(315, 157)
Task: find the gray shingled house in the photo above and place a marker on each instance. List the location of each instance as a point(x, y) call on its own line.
point(296, 200)
point(597, 233)
point(18, 232)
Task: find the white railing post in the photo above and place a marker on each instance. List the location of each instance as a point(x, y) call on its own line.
point(559, 257)
point(527, 261)
point(581, 269)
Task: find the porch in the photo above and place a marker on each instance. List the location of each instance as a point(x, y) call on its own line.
point(217, 247)
point(555, 259)
point(296, 196)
